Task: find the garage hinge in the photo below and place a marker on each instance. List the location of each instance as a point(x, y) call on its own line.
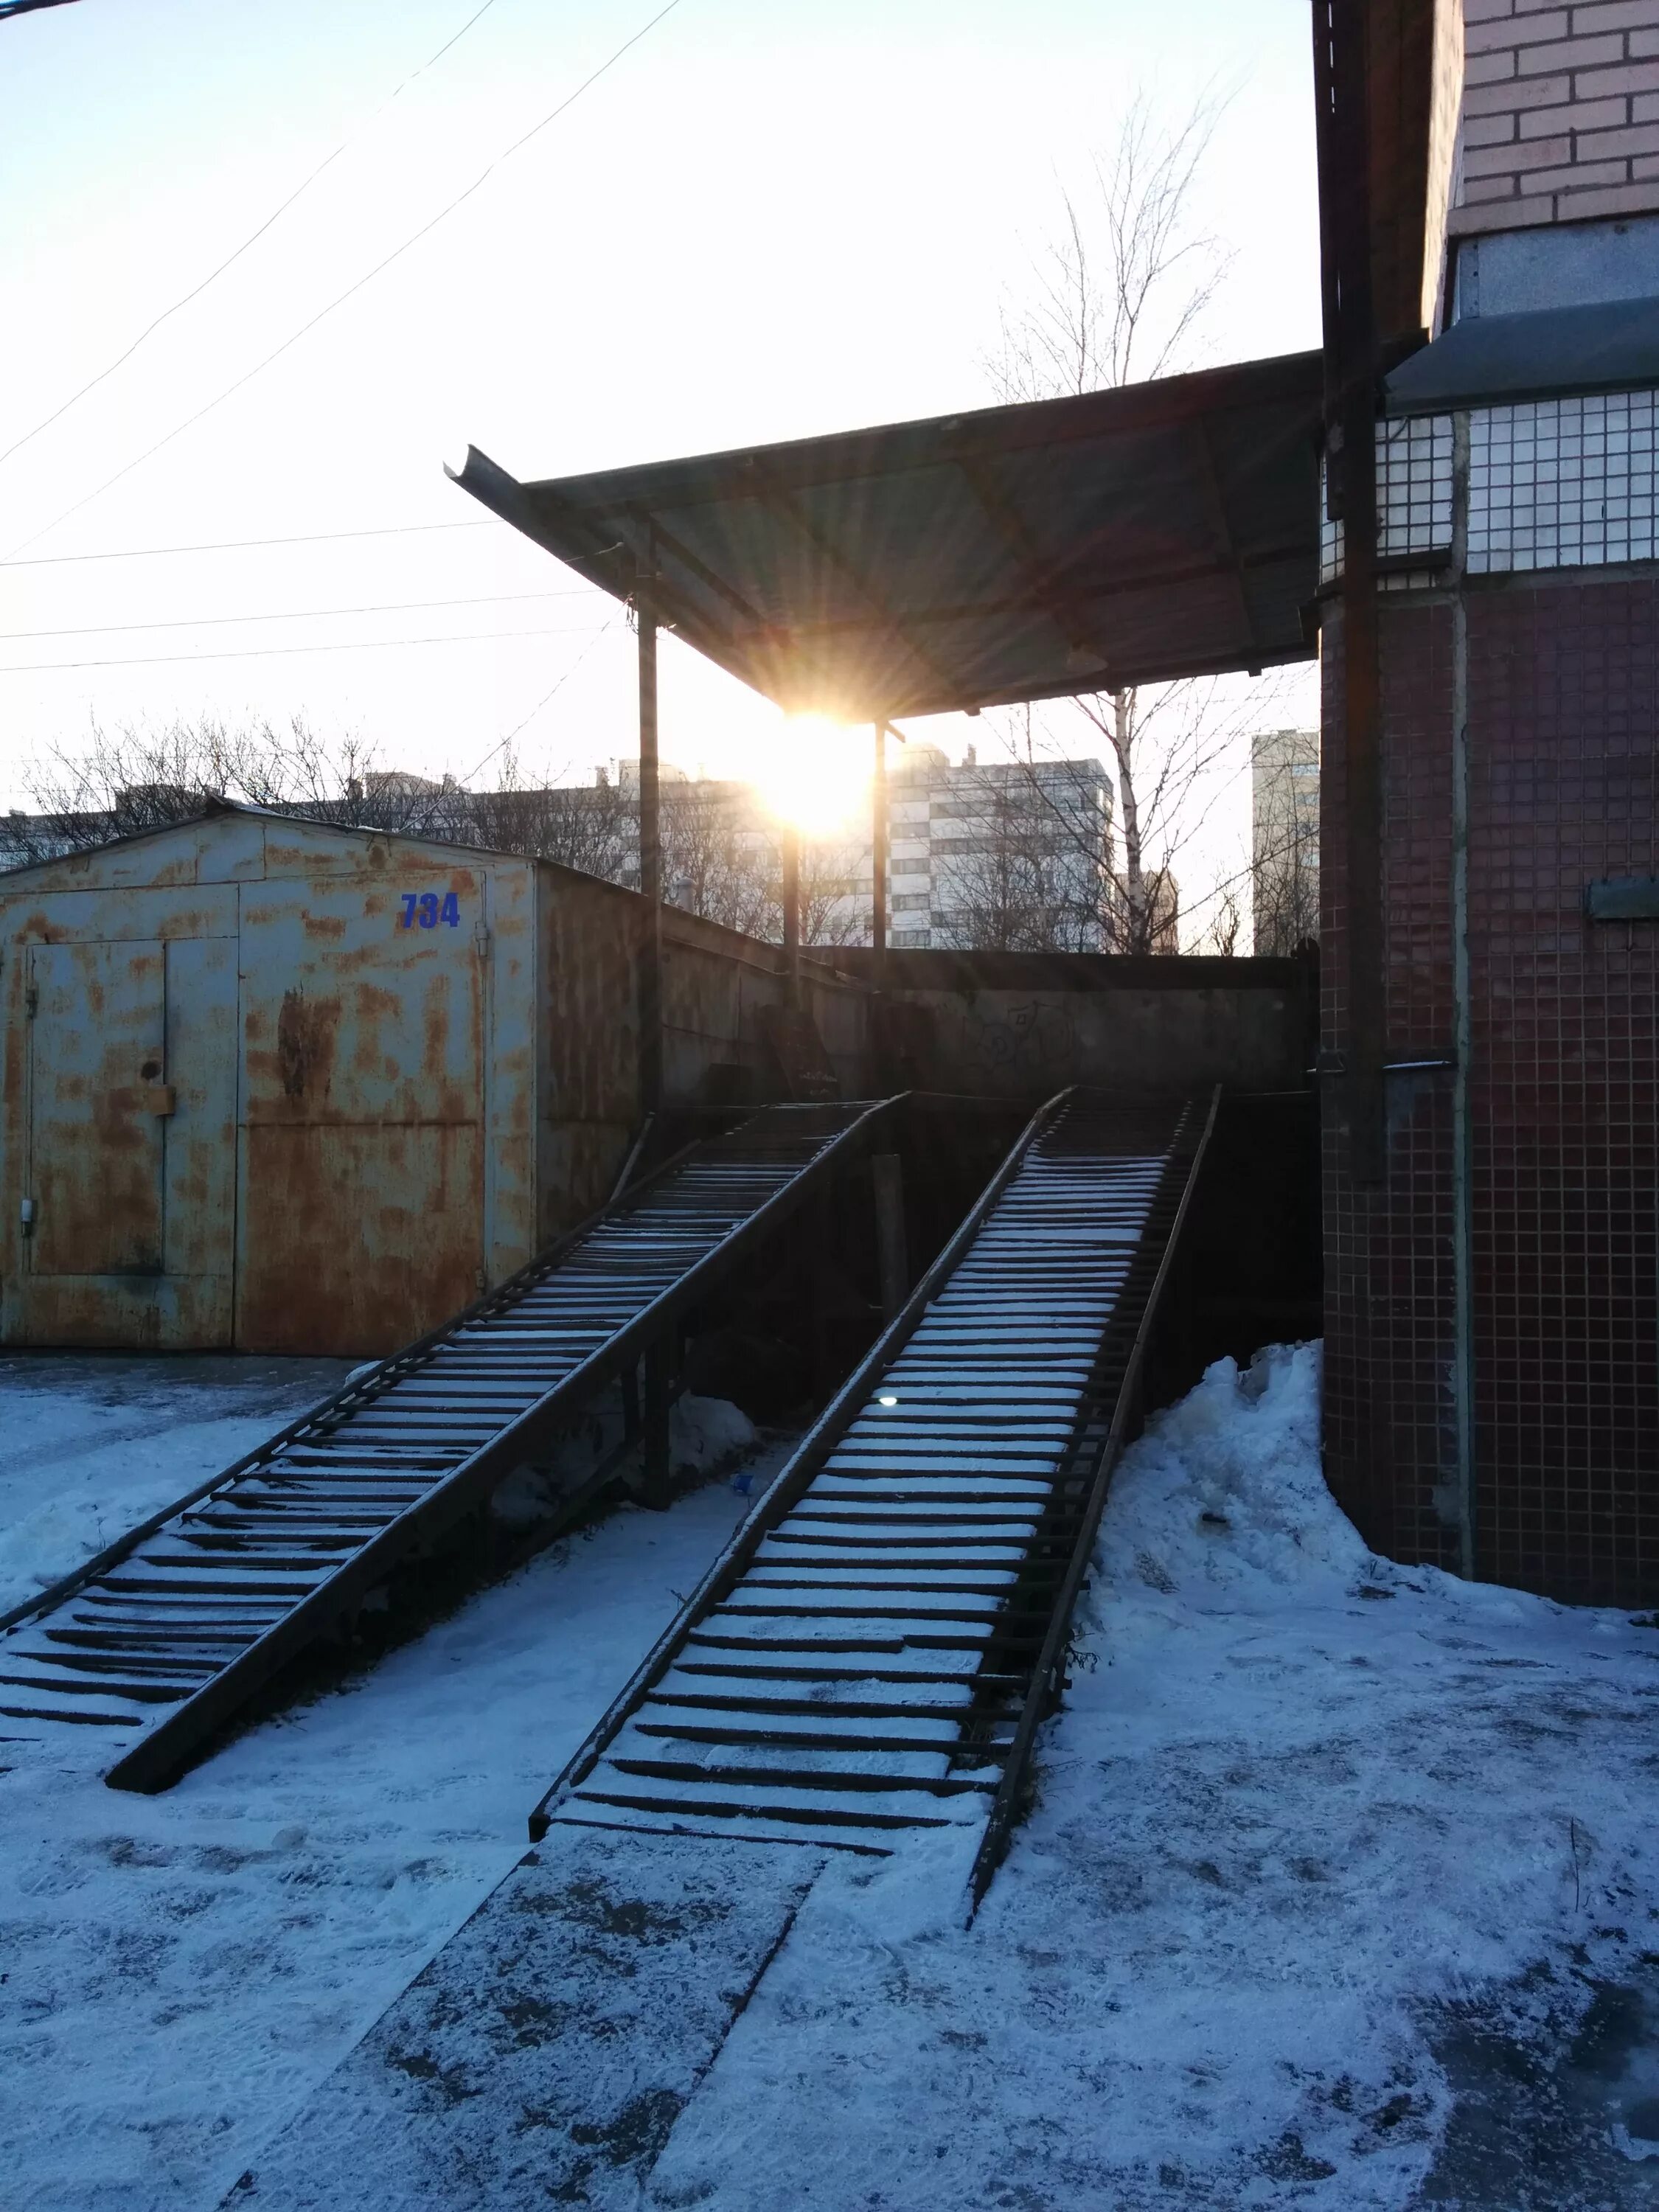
point(31, 1002)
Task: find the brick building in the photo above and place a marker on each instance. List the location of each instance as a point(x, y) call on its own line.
point(1491, 680)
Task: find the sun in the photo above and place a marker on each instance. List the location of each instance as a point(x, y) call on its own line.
point(816, 775)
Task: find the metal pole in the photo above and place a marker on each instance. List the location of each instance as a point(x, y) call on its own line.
point(893, 1262)
point(791, 909)
point(658, 1398)
point(1342, 86)
point(1464, 1261)
point(645, 613)
point(878, 852)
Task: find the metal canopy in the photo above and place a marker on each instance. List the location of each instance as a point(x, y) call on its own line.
point(1613, 346)
point(1161, 530)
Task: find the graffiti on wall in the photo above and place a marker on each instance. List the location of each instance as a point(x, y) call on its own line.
point(1033, 1039)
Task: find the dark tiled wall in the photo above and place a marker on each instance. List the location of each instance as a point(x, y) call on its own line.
point(1388, 1414)
point(1564, 717)
point(1563, 713)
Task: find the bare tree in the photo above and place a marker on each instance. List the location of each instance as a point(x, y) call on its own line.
point(122, 782)
point(1285, 840)
point(1026, 870)
point(1121, 293)
point(591, 827)
point(1123, 287)
point(835, 895)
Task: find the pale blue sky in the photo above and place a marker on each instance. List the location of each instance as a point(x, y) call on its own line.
point(767, 221)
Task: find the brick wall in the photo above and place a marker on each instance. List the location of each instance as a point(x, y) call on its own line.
point(1560, 112)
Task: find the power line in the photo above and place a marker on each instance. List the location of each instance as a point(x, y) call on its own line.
point(274, 652)
point(396, 252)
point(252, 239)
point(546, 697)
point(299, 613)
point(242, 544)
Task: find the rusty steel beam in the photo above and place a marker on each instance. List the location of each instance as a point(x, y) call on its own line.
point(1342, 90)
point(645, 616)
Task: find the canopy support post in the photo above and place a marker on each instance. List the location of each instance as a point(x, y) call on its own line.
point(650, 1055)
point(879, 856)
point(791, 911)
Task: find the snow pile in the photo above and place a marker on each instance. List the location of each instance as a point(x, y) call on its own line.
point(1224, 1495)
point(1341, 1891)
point(706, 1435)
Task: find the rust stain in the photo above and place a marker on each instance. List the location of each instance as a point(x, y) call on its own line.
point(306, 1032)
point(325, 925)
point(410, 1194)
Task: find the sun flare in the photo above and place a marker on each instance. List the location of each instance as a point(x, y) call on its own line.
point(816, 775)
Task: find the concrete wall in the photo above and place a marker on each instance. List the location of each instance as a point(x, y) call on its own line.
point(717, 987)
point(1018, 1025)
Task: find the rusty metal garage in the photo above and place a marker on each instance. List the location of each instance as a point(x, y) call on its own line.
point(276, 1085)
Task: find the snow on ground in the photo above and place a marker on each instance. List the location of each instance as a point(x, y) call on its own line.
point(1340, 1893)
point(92, 1443)
point(176, 1973)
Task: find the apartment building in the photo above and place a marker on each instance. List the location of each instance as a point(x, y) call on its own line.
point(1285, 839)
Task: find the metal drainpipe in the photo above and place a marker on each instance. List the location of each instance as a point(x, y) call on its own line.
point(1462, 1191)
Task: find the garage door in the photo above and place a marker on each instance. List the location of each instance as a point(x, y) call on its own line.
point(130, 1172)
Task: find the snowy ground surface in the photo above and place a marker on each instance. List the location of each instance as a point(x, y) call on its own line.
point(177, 1972)
point(92, 1442)
point(1339, 1893)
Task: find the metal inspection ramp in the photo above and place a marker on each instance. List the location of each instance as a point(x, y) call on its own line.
point(169, 1631)
point(878, 1646)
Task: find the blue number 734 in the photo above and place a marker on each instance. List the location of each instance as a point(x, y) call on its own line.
point(423, 907)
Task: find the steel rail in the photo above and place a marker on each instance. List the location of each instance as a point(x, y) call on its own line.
point(791, 1484)
point(445, 1487)
point(1042, 1696)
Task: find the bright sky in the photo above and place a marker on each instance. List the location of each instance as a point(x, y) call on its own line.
point(763, 222)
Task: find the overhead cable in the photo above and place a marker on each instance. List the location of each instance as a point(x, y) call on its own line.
point(298, 614)
point(252, 239)
point(546, 699)
point(274, 652)
point(243, 544)
point(339, 301)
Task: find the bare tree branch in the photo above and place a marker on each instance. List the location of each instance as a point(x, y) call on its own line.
point(1122, 291)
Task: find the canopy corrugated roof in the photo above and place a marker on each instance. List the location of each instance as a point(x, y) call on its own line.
point(1160, 530)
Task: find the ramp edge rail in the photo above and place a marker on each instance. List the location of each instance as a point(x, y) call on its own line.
point(1042, 1697)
